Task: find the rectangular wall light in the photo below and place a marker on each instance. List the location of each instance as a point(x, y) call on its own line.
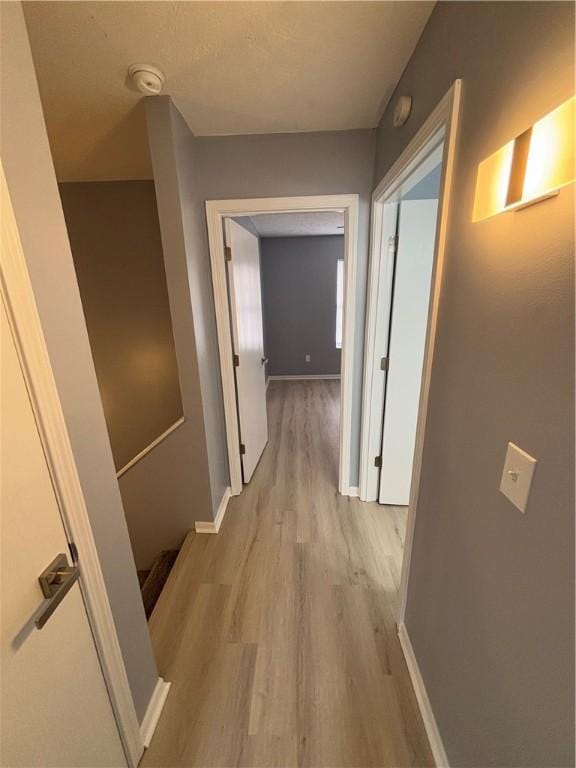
point(531, 167)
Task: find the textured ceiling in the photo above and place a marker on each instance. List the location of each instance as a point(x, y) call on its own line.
point(231, 68)
point(299, 224)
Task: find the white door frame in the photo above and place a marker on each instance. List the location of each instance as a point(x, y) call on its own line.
point(216, 212)
point(18, 296)
point(443, 122)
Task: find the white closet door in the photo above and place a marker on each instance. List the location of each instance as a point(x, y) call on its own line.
point(416, 233)
point(246, 320)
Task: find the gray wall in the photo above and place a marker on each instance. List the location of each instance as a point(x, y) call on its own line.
point(299, 297)
point(115, 239)
point(491, 594)
point(181, 212)
point(195, 169)
point(32, 184)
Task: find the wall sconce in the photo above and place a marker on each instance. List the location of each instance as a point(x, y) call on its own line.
point(530, 168)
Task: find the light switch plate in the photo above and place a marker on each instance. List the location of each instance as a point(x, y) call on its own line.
point(517, 476)
point(307, 358)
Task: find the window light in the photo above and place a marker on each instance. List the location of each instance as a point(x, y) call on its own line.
point(339, 301)
point(531, 167)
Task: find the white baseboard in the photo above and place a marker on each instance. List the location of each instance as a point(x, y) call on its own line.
point(214, 527)
point(154, 710)
point(436, 745)
point(305, 377)
point(352, 490)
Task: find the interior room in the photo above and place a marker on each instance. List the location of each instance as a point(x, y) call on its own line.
point(287, 324)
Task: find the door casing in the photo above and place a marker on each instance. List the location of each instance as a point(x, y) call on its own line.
point(440, 126)
point(216, 212)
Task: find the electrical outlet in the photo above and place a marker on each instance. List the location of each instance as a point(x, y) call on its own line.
point(307, 358)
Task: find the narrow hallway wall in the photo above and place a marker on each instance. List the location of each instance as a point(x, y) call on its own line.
point(491, 594)
point(32, 184)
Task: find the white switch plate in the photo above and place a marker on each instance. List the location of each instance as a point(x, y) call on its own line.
point(307, 358)
point(517, 476)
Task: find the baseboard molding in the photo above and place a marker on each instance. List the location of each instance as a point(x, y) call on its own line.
point(305, 377)
point(214, 527)
point(436, 745)
point(352, 490)
point(154, 710)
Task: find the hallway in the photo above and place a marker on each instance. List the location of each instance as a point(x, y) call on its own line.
point(278, 634)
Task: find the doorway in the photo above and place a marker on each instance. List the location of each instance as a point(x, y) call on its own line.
point(236, 273)
point(408, 231)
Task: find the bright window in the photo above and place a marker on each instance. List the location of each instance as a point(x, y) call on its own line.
point(339, 302)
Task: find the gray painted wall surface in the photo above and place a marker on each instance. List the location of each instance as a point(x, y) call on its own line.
point(32, 184)
point(195, 169)
point(115, 239)
point(273, 165)
point(491, 594)
point(299, 296)
point(182, 222)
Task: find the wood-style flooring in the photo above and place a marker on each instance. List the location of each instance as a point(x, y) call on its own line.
point(278, 634)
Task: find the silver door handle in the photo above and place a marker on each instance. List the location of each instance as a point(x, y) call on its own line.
point(264, 360)
point(55, 582)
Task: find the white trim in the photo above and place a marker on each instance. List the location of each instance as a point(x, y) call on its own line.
point(353, 491)
point(443, 118)
point(216, 212)
point(267, 383)
point(154, 710)
point(25, 324)
point(152, 445)
point(214, 526)
point(306, 377)
point(434, 738)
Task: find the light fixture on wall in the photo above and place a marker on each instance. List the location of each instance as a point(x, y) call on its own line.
point(530, 168)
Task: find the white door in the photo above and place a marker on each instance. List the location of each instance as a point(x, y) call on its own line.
point(55, 709)
point(248, 340)
point(411, 300)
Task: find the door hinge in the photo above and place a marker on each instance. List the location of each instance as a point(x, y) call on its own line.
point(378, 461)
point(73, 551)
point(384, 364)
point(235, 360)
point(227, 253)
point(242, 449)
point(393, 241)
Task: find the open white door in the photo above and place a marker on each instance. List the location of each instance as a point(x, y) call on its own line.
point(55, 705)
point(411, 300)
point(248, 340)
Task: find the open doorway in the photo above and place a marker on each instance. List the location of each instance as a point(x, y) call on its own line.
point(308, 338)
point(285, 275)
point(409, 215)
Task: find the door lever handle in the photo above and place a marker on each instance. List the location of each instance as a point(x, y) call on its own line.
point(264, 360)
point(55, 581)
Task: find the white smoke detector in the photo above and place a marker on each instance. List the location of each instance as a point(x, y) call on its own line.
point(146, 78)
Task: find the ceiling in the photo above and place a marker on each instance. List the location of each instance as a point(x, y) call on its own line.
point(231, 68)
point(299, 224)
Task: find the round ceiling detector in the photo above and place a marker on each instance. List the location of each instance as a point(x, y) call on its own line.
point(146, 78)
point(402, 110)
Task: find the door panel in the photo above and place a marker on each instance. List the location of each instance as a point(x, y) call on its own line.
point(247, 335)
point(54, 703)
point(412, 280)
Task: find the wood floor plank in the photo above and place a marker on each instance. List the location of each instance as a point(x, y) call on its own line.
point(279, 634)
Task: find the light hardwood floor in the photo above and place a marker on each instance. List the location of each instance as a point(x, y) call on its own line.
point(278, 634)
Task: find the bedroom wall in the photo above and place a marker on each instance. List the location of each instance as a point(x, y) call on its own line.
point(299, 304)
